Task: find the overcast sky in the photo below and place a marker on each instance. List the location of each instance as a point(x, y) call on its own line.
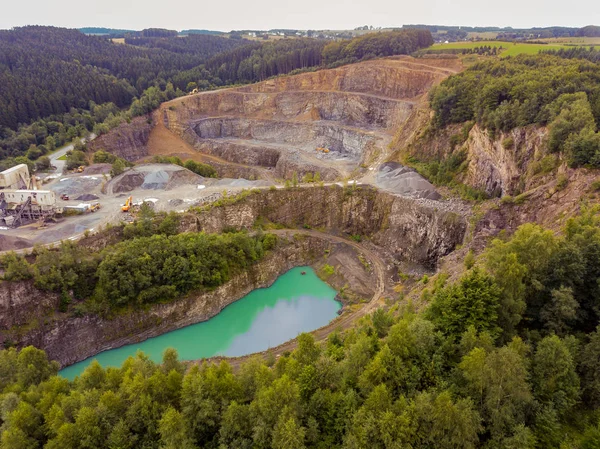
point(299, 14)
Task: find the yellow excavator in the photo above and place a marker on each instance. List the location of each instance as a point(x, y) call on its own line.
point(128, 203)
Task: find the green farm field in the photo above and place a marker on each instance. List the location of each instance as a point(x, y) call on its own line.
point(509, 48)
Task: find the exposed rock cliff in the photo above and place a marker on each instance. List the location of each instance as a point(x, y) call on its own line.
point(412, 230)
point(70, 339)
point(128, 140)
point(498, 165)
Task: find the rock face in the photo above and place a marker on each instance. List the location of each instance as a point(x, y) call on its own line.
point(128, 141)
point(411, 230)
point(496, 166)
point(72, 339)
point(22, 304)
point(330, 121)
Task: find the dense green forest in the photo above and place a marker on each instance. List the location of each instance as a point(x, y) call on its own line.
point(151, 264)
point(558, 92)
point(589, 53)
point(507, 356)
point(33, 141)
point(256, 62)
point(57, 84)
point(45, 70)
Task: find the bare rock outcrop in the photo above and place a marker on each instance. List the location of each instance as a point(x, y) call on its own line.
point(411, 231)
point(69, 339)
point(128, 141)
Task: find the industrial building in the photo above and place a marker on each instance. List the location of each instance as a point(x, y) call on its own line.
point(16, 177)
point(20, 200)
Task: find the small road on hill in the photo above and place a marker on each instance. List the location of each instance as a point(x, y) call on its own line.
point(57, 163)
point(344, 321)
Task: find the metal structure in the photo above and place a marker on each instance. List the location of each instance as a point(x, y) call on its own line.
point(16, 177)
point(20, 201)
point(18, 207)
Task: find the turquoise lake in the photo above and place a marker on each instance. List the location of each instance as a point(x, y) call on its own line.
point(263, 319)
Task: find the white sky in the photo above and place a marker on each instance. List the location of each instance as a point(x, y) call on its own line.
point(298, 14)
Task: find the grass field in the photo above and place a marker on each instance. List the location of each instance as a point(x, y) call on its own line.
point(580, 41)
point(62, 158)
point(509, 48)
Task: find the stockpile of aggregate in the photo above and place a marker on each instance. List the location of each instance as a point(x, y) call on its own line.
point(154, 177)
point(405, 181)
point(79, 185)
point(9, 243)
point(87, 197)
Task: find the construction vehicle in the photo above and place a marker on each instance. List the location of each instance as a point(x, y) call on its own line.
point(324, 150)
point(95, 206)
point(64, 197)
point(128, 203)
point(80, 169)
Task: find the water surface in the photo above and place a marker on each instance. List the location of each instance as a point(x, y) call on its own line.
point(263, 319)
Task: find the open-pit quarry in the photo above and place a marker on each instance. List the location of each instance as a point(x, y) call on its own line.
point(336, 122)
point(371, 221)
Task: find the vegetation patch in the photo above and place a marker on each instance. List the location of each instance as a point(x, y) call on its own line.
point(143, 270)
point(501, 95)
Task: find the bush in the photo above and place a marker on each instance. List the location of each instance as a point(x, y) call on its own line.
point(469, 260)
point(200, 169)
point(16, 268)
point(326, 271)
point(508, 143)
point(42, 163)
point(103, 157)
point(76, 158)
point(118, 167)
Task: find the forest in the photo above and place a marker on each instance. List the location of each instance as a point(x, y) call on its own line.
point(557, 91)
point(507, 356)
point(53, 80)
point(151, 263)
point(46, 70)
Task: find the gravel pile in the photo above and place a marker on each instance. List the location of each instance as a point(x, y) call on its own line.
point(154, 177)
point(9, 243)
point(87, 197)
point(77, 185)
point(156, 180)
point(405, 181)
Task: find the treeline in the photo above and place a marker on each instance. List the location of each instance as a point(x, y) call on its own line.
point(203, 45)
point(401, 42)
point(563, 94)
point(508, 356)
point(46, 71)
point(589, 31)
point(589, 53)
point(153, 264)
point(256, 62)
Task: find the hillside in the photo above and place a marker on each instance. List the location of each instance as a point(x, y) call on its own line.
point(74, 84)
point(278, 126)
point(451, 201)
point(47, 71)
